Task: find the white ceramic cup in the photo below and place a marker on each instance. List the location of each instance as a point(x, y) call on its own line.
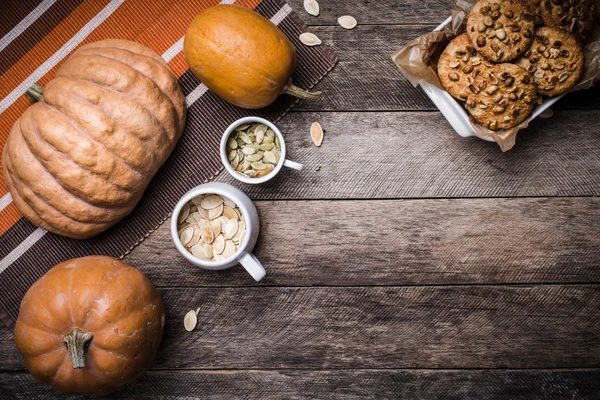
point(282, 161)
point(243, 255)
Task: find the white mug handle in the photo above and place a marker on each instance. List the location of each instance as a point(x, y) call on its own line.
point(252, 265)
point(293, 165)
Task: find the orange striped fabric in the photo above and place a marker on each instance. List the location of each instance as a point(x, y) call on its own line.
point(157, 24)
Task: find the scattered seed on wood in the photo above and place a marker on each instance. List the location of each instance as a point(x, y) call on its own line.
point(316, 133)
point(347, 22)
point(311, 7)
point(310, 39)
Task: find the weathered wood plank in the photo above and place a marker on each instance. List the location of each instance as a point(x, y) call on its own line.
point(367, 79)
point(544, 326)
point(378, 12)
point(417, 154)
point(338, 384)
point(415, 242)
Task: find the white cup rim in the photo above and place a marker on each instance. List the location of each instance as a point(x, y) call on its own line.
point(233, 172)
point(212, 188)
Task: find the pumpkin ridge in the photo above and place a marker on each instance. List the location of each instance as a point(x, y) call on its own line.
point(67, 186)
point(124, 45)
point(164, 130)
point(93, 79)
point(20, 186)
point(156, 159)
point(15, 192)
point(40, 199)
point(80, 129)
point(69, 159)
point(153, 60)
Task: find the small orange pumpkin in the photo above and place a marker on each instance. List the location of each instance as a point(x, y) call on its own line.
point(241, 56)
point(90, 325)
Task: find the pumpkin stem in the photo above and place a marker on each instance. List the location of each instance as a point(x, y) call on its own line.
point(75, 342)
point(295, 91)
point(35, 92)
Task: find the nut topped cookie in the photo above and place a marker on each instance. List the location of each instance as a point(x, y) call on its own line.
point(574, 16)
point(459, 65)
point(501, 30)
point(555, 60)
point(502, 97)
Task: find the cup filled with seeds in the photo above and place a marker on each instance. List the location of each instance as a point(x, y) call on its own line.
point(253, 150)
point(215, 226)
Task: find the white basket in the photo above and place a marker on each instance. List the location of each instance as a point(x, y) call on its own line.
point(455, 112)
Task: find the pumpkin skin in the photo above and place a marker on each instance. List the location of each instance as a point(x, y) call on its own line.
point(79, 161)
point(100, 295)
point(240, 55)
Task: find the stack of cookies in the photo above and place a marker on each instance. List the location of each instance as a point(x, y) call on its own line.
point(506, 59)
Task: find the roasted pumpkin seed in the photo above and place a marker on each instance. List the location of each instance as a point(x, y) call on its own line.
point(311, 7)
point(206, 238)
point(347, 22)
point(190, 320)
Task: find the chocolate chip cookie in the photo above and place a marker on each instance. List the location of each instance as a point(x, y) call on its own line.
point(501, 30)
point(459, 65)
point(502, 97)
point(574, 16)
point(555, 60)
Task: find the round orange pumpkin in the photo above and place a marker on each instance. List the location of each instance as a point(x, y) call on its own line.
point(90, 325)
point(241, 56)
point(79, 161)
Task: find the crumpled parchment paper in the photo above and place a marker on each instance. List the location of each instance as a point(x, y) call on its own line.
point(417, 61)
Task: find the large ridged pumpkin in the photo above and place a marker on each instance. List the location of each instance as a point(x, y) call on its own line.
point(79, 161)
point(90, 325)
point(241, 56)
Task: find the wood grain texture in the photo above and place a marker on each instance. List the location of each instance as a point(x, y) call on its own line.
point(378, 12)
point(417, 154)
point(547, 326)
point(394, 242)
point(337, 384)
point(367, 79)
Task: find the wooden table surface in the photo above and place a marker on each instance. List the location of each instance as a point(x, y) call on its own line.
point(403, 262)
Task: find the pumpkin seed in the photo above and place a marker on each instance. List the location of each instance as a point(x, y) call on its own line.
point(206, 232)
point(310, 39)
point(195, 237)
point(214, 213)
point(231, 228)
point(232, 144)
point(184, 213)
point(269, 157)
point(228, 203)
point(197, 200)
point(316, 133)
point(255, 157)
point(213, 234)
point(219, 244)
point(211, 201)
point(266, 146)
point(258, 166)
point(208, 250)
point(311, 7)
point(229, 213)
point(229, 249)
point(242, 127)
point(186, 235)
point(258, 152)
point(216, 227)
point(347, 22)
point(198, 251)
point(190, 320)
